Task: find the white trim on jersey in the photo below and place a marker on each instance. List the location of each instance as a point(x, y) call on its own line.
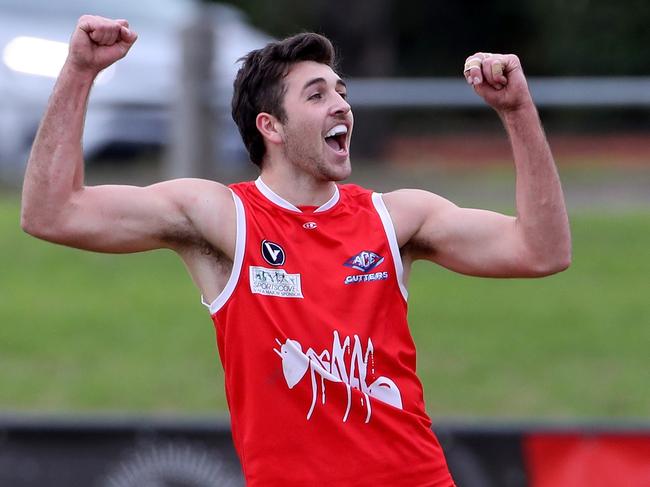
point(280, 201)
point(392, 241)
point(330, 203)
point(240, 246)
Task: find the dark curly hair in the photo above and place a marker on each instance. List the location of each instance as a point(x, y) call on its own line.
point(259, 85)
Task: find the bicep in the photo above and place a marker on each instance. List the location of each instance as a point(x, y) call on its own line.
point(119, 219)
point(473, 242)
point(466, 240)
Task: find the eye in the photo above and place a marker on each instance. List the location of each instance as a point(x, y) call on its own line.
point(315, 96)
point(343, 95)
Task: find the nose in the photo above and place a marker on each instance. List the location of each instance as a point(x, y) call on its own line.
point(340, 106)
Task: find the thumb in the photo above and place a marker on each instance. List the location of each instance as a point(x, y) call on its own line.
point(127, 36)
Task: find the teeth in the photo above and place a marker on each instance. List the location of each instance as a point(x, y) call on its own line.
point(337, 130)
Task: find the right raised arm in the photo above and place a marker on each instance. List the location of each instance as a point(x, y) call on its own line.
point(56, 206)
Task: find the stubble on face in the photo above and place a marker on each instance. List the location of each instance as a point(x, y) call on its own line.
point(304, 123)
point(308, 155)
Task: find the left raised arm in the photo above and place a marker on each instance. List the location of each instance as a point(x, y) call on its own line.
point(537, 241)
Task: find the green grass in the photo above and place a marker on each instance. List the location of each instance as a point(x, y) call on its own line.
point(89, 332)
point(570, 345)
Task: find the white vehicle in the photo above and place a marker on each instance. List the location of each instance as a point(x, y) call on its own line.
point(131, 100)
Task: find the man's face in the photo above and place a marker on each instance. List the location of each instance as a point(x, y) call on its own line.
point(317, 131)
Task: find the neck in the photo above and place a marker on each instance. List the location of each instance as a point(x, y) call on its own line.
point(298, 188)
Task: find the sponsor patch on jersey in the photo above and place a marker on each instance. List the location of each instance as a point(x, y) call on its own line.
point(364, 261)
point(374, 276)
point(275, 282)
point(272, 253)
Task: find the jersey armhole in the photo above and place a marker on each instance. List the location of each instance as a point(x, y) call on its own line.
point(389, 229)
point(240, 245)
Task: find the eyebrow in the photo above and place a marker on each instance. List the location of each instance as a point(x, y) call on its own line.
point(314, 81)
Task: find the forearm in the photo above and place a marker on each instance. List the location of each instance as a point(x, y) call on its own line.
point(542, 220)
point(55, 166)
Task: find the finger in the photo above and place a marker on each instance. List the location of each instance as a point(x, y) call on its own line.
point(498, 71)
point(106, 34)
point(100, 35)
point(472, 69)
point(128, 36)
point(87, 23)
point(511, 63)
point(123, 22)
point(492, 69)
point(112, 33)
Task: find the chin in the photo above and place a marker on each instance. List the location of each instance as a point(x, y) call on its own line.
point(340, 171)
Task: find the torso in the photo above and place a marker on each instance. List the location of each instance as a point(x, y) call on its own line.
point(316, 350)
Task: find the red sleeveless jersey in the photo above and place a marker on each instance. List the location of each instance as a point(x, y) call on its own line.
point(318, 359)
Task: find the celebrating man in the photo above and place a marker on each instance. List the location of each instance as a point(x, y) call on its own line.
point(305, 278)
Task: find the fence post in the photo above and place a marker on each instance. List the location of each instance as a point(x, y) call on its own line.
point(191, 151)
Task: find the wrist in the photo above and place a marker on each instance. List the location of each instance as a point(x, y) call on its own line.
point(523, 109)
point(78, 72)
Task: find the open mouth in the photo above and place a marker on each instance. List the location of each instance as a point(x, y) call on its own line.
point(336, 138)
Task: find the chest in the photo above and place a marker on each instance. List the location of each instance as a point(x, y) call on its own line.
point(334, 250)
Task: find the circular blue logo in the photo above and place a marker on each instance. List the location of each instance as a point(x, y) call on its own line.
point(272, 253)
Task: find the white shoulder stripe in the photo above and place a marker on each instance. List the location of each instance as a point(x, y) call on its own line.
point(240, 246)
point(392, 241)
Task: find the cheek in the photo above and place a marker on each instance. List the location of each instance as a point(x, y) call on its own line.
point(304, 131)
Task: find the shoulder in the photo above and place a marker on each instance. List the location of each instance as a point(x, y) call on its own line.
point(208, 207)
point(355, 194)
point(353, 189)
point(411, 199)
point(412, 209)
point(192, 194)
point(189, 188)
point(198, 186)
point(243, 187)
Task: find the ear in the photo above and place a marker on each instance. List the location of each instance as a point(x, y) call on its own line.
point(270, 127)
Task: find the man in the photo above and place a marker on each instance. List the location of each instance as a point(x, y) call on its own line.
point(305, 279)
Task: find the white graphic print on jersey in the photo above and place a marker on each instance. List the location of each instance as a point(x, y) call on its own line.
point(332, 366)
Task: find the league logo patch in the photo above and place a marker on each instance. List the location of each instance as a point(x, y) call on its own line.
point(364, 261)
point(272, 253)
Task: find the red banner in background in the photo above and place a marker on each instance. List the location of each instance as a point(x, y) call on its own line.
point(582, 460)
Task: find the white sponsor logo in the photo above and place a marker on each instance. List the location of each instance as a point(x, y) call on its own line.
point(275, 282)
point(376, 276)
point(338, 365)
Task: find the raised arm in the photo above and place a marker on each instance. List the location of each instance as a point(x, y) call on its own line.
point(56, 206)
point(537, 241)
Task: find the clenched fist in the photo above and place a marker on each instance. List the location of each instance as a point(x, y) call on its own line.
point(98, 42)
point(498, 79)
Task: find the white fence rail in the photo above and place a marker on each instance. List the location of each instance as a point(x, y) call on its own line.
point(557, 92)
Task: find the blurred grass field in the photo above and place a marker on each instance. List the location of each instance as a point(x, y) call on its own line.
point(96, 333)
